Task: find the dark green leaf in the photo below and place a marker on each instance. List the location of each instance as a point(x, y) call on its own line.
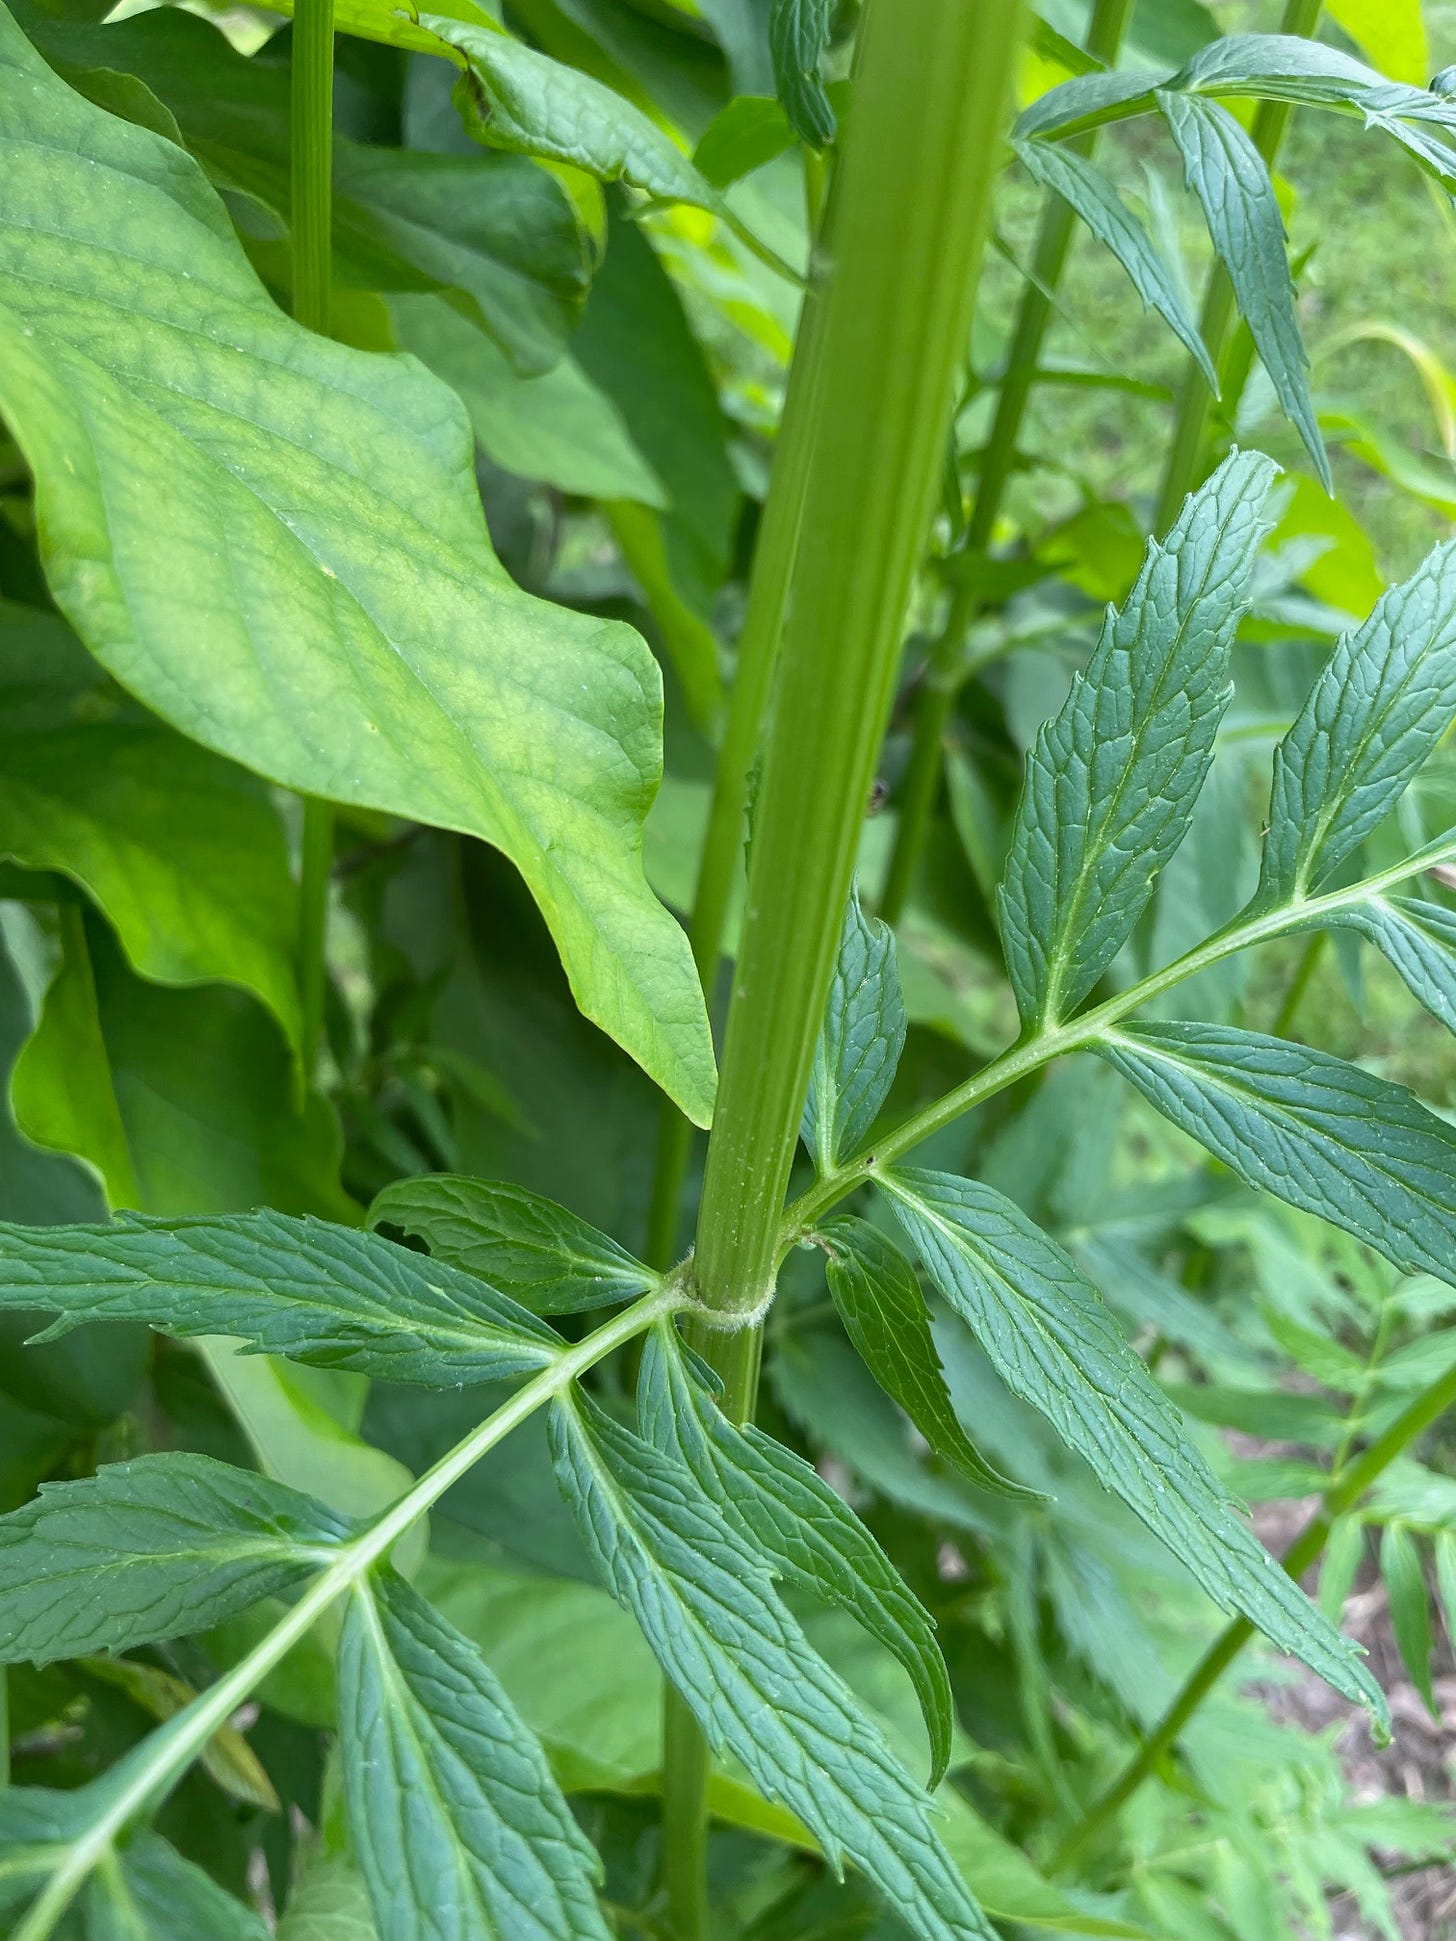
point(885, 1316)
point(459, 1829)
point(1054, 1343)
point(1228, 175)
point(1382, 702)
point(147, 1890)
point(1410, 1607)
point(783, 1508)
point(529, 1247)
point(706, 1606)
point(798, 33)
point(1325, 1136)
point(1419, 939)
point(155, 1548)
point(1112, 779)
point(860, 1043)
point(293, 1287)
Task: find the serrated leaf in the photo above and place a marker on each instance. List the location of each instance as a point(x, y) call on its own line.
point(759, 1692)
point(860, 1042)
point(293, 1287)
point(154, 1548)
point(784, 1509)
point(1410, 1607)
point(1229, 176)
point(459, 1829)
point(884, 1315)
point(1112, 779)
point(798, 33)
point(530, 1248)
point(1081, 183)
point(364, 644)
point(1327, 1137)
point(1382, 702)
point(1418, 940)
point(1054, 1343)
point(146, 1889)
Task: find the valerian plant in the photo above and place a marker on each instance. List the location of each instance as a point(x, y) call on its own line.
point(389, 1548)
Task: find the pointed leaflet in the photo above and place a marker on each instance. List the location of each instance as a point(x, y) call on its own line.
point(293, 1287)
point(460, 1830)
point(1112, 779)
point(1382, 702)
point(860, 1043)
point(1418, 939)
point(884, 1315)
point(784, 1509)
point(1081, 183)
point(759, 1691)
point(1325, 1136)
point(155, 1548)
point(1054, 1343)
point(798, 33)
point(1404, 1577)
point(1228, 175)
point(362, 641)
point(146, 1891)
point(533, 1250)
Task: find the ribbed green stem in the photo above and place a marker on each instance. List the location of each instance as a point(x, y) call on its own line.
point(1186, 464)
point(1344, 1492)
point(1049, 256)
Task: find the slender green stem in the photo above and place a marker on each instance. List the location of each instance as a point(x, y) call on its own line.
point(313, 924)
point(937, 699)
point(145, 1778)
point(1346, 1488)
point(1299, 984)
point(1185, 466)
point(686, 1763)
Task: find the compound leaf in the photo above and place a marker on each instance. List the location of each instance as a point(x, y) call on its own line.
point(459, 1828)
point(860, 1043)
point(1054, 1343)
point(1418, 939)
point(1112, 778)
point(295, 1287)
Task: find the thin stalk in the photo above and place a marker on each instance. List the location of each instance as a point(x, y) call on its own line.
point(1299, 984)
point(312, 144)
point(1185, 465)
point(905, 221)
point(944, 679)
point(1345, 1490)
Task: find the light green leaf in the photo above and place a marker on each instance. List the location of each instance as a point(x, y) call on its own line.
point(1418, 939)
point(1112, 779)
point(751, 130)
point(1383, 700)
point(1410, 1607)
point(154, 1548)
point(798, 33)
point(884, 1315)
point(533, 1250)
point(706, 1605)
point(364, 644)
point(1054, 1343)
point(293, 1287)
point(784, 1509)
point(459, 1829)
point(859, 1043)
point(1391, 32)
point(1228, 175)
point(147, 1889)
point(1327, 1137)
point(1081, 183)
point(329, 1903)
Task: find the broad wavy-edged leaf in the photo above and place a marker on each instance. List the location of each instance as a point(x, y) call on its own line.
point(760, 1693)
point(277, 543)
point(1418, 939)
point(458, 1826)
point(1112, 778)
point(515, 98)
point(154, 1548)
point(1381, 703)
point(784, 1509)
point(300, 1288)
point(1229, 176)
point(798, 33)
point(884, 1314)
point(148, 1890)
point(1327, 1137)
point(860, 1042)
point(1081, 183)
point(526, 1245)
point(1053, 1341)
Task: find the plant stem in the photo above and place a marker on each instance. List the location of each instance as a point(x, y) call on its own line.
point(311, 167)
point(944, 678)
point(1345, 1489)
point(906, 217)
point(1299, 984)
point(1185, 467)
